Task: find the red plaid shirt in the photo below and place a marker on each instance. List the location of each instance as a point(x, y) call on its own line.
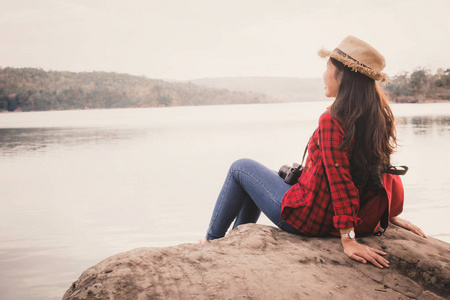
point(325, 196)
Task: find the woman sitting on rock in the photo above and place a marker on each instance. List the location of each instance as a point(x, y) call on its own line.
point(348, 155)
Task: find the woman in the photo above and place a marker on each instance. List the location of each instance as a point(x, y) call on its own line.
point(347, 156)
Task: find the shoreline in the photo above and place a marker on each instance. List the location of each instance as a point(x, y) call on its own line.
point(410, 100)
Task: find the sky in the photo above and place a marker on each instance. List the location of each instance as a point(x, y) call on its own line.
point(190, 39)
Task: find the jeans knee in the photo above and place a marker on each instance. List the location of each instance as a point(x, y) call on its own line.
point(242, 163)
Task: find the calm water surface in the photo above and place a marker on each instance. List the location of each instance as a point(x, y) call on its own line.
point(79, 186)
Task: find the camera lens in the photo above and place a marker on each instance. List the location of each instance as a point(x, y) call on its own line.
point(284, 170)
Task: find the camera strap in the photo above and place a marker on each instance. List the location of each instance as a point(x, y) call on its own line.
point(306, 151)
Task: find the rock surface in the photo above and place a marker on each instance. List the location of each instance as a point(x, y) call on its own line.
point(263, 262)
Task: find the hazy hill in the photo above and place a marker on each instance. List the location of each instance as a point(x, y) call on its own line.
point(36, 89)
point(419, 86)
point(285, 89)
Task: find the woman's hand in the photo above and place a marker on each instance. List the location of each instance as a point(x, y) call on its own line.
point(407, 225)
point(364, 254)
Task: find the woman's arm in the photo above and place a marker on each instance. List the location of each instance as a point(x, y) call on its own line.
point(362, 253)
point(407, 225)
point(336, 162)
point(344, 194)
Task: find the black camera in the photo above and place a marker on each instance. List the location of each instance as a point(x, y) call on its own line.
point(290, 174)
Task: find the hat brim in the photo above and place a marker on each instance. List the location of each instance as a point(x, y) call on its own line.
point(354, 65)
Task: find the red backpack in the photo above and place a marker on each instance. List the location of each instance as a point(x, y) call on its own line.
point(377, 206)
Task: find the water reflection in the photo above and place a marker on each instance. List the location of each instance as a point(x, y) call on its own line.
point(422, 125)
point(74, 195)
point(14, 141)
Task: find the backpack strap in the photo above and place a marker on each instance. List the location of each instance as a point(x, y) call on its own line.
point(397, 170)
point(384, 222)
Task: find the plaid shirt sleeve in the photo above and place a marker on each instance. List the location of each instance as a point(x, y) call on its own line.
point(336, 162)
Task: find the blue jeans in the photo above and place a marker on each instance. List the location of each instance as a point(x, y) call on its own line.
point(248, 189)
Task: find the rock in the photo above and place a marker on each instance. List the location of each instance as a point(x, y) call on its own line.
point(264, 262)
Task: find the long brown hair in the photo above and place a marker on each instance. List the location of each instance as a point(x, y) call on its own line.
point(363, 110)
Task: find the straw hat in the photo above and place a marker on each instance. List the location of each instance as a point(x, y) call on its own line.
point(359, 56)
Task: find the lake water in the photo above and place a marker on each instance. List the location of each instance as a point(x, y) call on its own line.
point(79, 186)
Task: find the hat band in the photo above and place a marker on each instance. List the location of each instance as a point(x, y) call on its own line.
point(345, 55)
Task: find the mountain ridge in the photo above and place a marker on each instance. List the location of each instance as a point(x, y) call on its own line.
point(283, 89)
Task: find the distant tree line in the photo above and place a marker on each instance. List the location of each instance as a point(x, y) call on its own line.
point(31, 89)
point(420, 86)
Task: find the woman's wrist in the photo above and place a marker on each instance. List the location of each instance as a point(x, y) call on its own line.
point(347, 235)
point(347, 241)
